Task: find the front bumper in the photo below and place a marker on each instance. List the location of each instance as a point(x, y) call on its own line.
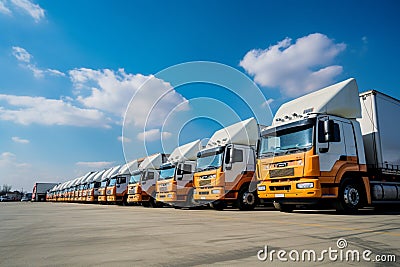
point(111, 199)
point(208, 194)
point(101, 198)
point(167, 197)
point(289, 190)
point(134, 198)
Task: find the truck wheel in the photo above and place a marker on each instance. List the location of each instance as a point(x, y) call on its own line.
point(350, 197)
point(125, 201)
point(218, 205)
point(154, 203)
point(246, 200)
point(284, 207)
point(190, 202)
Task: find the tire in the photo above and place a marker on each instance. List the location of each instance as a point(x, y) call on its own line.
point(154, 203)
point(125, 201)
point(146, 204)
point(190, 202)
point(246, 200)
point(284, 207)
point(350, 197)
point(218, 205)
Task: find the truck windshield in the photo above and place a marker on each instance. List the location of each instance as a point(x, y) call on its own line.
point(91, 186)
point(104, 183)
point(135, 178)
point(286, 141)
point(113, 182)
point(167, 173)
point(209, 161)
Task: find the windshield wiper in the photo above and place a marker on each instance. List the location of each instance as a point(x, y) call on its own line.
point(209, 167)
point(267, 154)
point(294, 148)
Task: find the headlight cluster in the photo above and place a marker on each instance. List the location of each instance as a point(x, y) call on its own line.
point(305, 185)
point(216, 191)
point(261, 188)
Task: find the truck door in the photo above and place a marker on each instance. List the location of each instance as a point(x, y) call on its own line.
point(149, 180)
point(330, 152)
point(121, 184)
point(186, 174)
point(235, 162)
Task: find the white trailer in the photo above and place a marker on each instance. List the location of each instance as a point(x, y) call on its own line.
point(40, 190)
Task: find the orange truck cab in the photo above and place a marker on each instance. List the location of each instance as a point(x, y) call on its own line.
point(117, 189)
point(175, 184)
point(225, 168)
point(93, 187)
point(142, 183)
point(105, 180)
point(332, 146)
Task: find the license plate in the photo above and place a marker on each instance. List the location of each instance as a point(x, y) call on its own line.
point(202, 197)
point(279, 195)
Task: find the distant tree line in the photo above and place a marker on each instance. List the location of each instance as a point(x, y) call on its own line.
point(6, 188)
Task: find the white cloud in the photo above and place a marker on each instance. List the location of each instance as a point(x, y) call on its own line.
point(34, 10)
point(124, 139)
point(152, 135)
point(4, 9)
point(111, 91)
point(9, 160)
point(19, 140)
point(25, 58)
point(268, 102)
point(39, 110)
point(95, 165)
point(21, 54)
point(295, 68)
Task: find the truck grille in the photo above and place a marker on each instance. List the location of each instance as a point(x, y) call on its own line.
point(281, 172)
point(132, 191)
point(204, 182)
point(163, 188)
point(278, 188)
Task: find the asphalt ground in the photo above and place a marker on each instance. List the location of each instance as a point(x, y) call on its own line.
point(68, 234)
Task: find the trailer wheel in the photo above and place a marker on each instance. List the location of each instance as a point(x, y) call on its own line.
point(246, 200)
point(350, 197)
point(284, 207)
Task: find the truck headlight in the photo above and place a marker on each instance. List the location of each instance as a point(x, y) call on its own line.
point(169, 195)
point(305, 185)
point(261, 188)
point(215, 191)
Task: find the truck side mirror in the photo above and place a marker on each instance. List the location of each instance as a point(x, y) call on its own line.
point(329, 130)
point(228, 158)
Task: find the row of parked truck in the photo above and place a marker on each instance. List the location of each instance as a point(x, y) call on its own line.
point(332, 146)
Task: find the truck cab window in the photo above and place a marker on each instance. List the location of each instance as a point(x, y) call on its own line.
point(336, 132)
point(237, 155)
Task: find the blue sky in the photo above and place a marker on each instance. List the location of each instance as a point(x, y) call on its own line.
point(69, 68)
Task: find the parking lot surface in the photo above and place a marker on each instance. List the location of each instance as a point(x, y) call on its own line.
point(66, 234)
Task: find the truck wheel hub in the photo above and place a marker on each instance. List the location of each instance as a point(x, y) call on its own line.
point(351, 196)
point(248, 198)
